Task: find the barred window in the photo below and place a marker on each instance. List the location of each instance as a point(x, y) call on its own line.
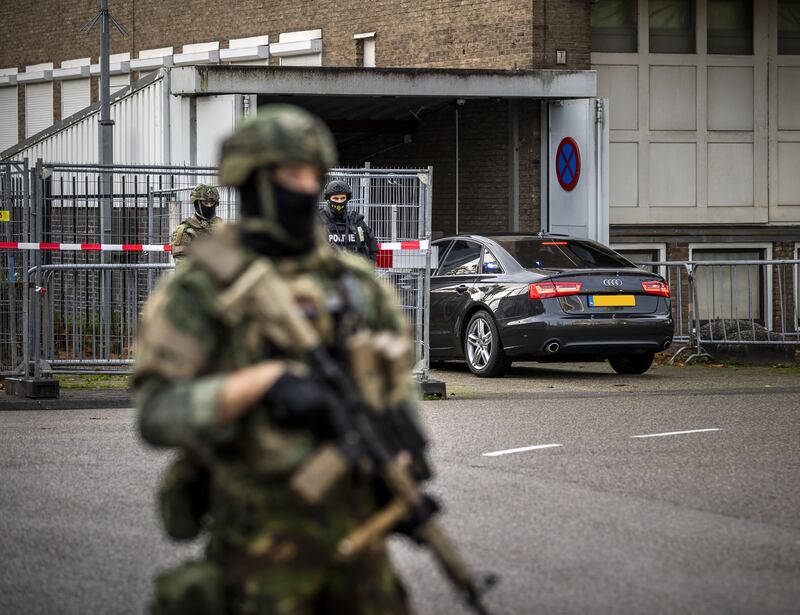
point(789, 27)
point(614, 26)
point(729, 291)
point(672, 26)
point(730, 27)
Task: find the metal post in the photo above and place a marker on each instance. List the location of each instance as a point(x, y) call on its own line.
point(26, 222)
point(106, 158)
point(457, 199)
point(149, 236)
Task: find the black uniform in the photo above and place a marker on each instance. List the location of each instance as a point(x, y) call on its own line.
point(350, 232)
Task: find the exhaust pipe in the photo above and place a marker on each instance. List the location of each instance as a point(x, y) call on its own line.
point(552, 347)
point(666, 344)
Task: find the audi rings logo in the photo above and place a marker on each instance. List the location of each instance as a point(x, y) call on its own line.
point(616, 282)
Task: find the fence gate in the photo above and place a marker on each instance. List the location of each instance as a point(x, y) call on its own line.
point(14, 228)
point(98, 243)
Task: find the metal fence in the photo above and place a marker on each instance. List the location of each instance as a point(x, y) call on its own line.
point(15, 190)
point(84, 302)
point(747, 302)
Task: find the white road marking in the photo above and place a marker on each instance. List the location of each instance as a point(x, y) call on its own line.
point(521, 450)
point(676, 433)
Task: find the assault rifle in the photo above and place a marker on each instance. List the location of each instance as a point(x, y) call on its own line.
point(388, 440)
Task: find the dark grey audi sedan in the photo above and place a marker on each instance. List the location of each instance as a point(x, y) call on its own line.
point(512, 297)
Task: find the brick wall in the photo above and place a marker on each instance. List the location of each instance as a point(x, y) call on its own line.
point(484, 164)
point(449, 33)
point(501, 34)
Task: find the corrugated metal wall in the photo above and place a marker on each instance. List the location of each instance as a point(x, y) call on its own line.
point(138, 133)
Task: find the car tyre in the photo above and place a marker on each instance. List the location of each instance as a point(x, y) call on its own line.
point(632, 364)
point(483, 349)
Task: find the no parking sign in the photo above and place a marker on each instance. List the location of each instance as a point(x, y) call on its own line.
point(568, 163)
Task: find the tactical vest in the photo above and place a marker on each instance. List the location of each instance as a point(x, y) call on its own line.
point(347, 232)
point(188, 231)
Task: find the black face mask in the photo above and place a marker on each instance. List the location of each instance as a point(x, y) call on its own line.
point(338, 209)
point(296, 211)
point(205, 212)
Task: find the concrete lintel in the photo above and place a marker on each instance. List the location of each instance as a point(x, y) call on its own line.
point(71, 72)
point(296, 48)
point(38, 76)
point(243, 54)
point(397, 82)
point(114, 68)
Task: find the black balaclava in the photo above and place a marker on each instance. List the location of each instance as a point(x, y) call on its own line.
point(296, 214)
point(338, 210)
point(207, 213)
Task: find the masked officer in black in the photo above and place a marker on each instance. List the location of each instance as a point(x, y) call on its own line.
point(346, 229)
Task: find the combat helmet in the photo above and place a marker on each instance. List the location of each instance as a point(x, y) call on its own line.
point(201, 193)
point(277, 135)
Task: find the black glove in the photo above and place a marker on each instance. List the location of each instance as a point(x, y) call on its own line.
point(298, 402)
point(420, 514)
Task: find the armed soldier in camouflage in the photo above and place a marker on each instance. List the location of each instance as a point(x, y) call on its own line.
point(220, 378)
point(205, 200)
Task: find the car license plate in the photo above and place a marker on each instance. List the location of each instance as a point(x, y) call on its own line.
point(612, 301)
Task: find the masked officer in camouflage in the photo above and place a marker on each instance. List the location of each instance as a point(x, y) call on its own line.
point(210, 385)
point(347, 229)
point(205, 200)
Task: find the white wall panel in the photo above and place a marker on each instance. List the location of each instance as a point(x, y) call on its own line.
point(730, 175)
point(76, 95)
point(620, 84)
point(673, 175)
point(730, 98)
point(38, 107)
point(789, 174)
point(9, 117)
point(673, 98)
point(624, 173)
point(216, 119)
point(789, 98)
point(138, 137)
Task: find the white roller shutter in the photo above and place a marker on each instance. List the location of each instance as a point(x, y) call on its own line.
point(38, 107)
point(9, 118)
point(76, 95)
point(119, 82)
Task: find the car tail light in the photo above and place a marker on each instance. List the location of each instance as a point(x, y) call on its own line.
point(546, 290)
point(655, 287)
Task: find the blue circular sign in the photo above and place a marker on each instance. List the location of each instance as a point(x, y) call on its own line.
point(568, 163)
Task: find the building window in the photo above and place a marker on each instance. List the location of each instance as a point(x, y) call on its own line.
point(641, 256)
point(730, 27)
point(789, 27)
point(365, 49)
point(730, 292)
point(614, 26)
point(672, 26)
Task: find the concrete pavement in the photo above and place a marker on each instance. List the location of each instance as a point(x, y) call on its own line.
point(703, 522)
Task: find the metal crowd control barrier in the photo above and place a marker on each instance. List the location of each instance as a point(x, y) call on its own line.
point(94, 240)
point(732, 303)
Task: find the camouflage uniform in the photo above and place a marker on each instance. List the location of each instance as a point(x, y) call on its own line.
point(196, 225)
point(269, 550)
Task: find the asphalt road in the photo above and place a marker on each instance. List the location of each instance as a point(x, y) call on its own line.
point(701, 522)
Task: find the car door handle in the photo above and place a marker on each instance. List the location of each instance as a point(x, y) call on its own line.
point(462, 288)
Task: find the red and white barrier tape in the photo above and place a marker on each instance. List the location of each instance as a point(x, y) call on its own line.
point(138, 247)
point(85, 247)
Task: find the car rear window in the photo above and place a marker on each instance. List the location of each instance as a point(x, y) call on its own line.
point(556, 253)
